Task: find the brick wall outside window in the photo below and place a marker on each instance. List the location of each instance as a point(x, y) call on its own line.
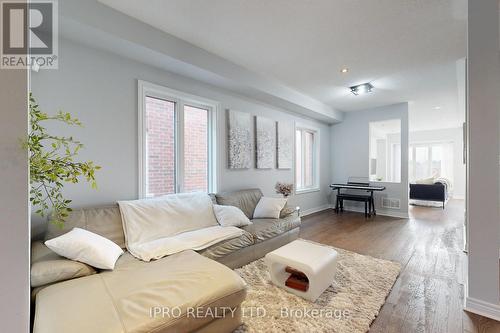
point(160, 147)
point(160, 171)
point(195, 149)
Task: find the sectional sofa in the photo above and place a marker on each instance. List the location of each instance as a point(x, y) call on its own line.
point(135, 296)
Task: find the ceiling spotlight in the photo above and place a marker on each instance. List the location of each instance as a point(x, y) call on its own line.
point(360, 89)
point(436, 108)
point(344, 70)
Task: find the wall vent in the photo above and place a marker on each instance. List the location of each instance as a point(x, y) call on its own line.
point(391, 203)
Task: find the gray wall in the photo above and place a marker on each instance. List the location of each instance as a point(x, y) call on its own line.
point(100, 89)
point(483, 202)
point(14, 217)
point(350, 151)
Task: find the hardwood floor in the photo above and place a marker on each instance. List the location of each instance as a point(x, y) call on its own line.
point(428, 294)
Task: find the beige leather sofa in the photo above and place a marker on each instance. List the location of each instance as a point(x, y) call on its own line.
point(261, 237)
point(136, 295)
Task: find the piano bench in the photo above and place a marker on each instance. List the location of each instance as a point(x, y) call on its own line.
point(367, 199)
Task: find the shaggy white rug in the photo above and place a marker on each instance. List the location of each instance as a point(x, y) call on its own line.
point(350, 304)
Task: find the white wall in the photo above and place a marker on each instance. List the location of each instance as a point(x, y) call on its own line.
point(482, 289)
point(100, 89)
point(350, 149)
point(14, 217)
point(448, 135)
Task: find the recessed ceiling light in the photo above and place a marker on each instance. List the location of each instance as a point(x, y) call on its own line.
point(344, 70)
point(360, 89)
point(436, 108)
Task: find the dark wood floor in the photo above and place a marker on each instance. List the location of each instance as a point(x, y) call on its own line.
point(428, 294)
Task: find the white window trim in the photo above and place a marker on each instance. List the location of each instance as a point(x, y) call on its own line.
point(316, 158)
point(308, 190)
point(180, 98)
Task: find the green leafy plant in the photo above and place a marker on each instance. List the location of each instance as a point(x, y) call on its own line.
point(52, 164)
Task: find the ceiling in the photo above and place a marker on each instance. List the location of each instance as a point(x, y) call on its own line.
point(406, 48)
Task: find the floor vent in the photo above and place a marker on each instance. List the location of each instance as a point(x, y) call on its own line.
point(391, 203)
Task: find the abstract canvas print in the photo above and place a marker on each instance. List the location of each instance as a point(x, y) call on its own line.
point(239, 140)
point(285, 145)
point(266, 142)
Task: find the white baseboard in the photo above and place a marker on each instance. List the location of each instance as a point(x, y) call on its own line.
point(482, 308)
point(380, 211)
point(310, 211)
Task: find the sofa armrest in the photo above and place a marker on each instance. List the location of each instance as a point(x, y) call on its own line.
point(40, 252)
point(48, 267)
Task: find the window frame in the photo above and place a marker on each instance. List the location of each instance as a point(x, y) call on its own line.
point(316, 158)
point(412, 149)
point(180, 99)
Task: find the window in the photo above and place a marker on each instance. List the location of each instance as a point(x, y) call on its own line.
point(195, 149)
point(160, 146)
point(422, 162)
point(176, 142)
point(306, 159)
point(385, 151)
point(430, 160)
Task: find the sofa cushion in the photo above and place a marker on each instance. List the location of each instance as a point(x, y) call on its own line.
point(229, 246)
point(126, 299)
point(287, 211)
point(105, 221)
point(48, 267)
point(246, 200)
point(263, 229)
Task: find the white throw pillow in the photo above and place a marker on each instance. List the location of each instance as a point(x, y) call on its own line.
point(269, 208)
point(87, 247)
point(230, 216)
point(426, 181)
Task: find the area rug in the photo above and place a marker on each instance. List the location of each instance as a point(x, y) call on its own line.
point(350, 304)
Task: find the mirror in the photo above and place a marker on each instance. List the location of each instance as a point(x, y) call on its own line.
point(385, 151)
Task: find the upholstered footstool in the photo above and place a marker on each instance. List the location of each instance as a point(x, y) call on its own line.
point(316, 261)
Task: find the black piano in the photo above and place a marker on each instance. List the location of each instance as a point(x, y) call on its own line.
point(366, 196)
